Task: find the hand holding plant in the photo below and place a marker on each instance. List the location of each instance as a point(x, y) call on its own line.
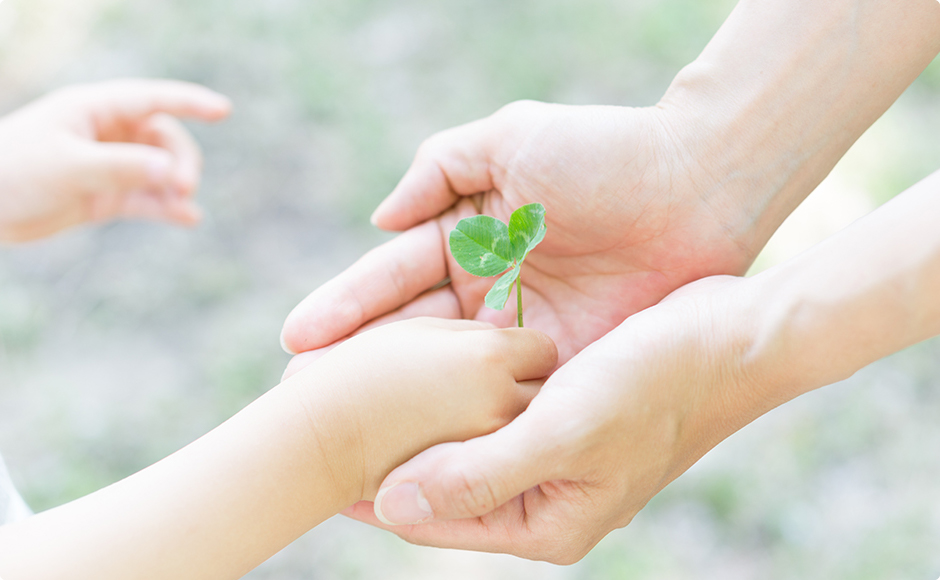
point(629, 224)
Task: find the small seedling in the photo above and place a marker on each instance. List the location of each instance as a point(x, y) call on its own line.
point(484, 246)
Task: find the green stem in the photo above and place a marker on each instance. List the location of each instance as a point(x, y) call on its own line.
point(519, 299)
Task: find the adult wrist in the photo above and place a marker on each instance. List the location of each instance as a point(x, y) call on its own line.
point(750, 181)
point(783, 90)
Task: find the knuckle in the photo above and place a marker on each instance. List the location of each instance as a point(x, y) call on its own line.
point(538, 346)
point(428, 148)
point(560, 550)
point(469, 493)
point(493, 351)
point(566, 557)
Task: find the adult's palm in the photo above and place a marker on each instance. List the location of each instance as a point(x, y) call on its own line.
point(631, 216)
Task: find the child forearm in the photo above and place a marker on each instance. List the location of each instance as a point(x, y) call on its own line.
point(215, 509)
point(321, 441)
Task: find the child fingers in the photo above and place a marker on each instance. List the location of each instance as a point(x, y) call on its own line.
point(142, 204)
point(528, 389)
point(530, 354)
point(164, 131)
point(521, 396)
point(440, 303)
point(113, 103)
point(132, 180)
point(118, 168)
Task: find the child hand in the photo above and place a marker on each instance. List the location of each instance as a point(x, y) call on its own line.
point(101, 151)
point(398, 389)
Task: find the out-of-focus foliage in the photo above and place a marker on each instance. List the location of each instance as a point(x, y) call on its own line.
point(120, 344)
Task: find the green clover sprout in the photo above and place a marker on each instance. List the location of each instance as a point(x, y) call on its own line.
point(484, 246)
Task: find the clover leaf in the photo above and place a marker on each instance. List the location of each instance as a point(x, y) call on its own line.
point(485, 247)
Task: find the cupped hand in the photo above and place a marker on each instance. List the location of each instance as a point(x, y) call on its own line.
point(404, 387)
point(101, 151)
point(632, 214)
point(608, 430)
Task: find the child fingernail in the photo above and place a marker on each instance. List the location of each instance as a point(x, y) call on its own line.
point(403, 504)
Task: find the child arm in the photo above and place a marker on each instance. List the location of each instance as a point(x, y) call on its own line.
point(310, 447)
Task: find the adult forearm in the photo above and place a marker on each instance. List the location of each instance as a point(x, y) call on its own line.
point(213, 510)
point(863, 294)
point(786, 87)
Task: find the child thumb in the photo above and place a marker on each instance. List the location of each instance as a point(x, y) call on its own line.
point(466, 480)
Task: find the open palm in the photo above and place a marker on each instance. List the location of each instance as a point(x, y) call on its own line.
point(630, 214)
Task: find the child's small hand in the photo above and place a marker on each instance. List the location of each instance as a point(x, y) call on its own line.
point(398, 389)
point(100, 151)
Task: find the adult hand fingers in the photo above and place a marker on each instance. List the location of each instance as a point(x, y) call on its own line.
point(440, 303)
point(471, 479)
point(500, 531)
point(383, 280)
point(538, 524)
point(450, 164)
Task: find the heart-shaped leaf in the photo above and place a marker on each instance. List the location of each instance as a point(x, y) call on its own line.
point(485, 246)
point(481, 246)
point(526, 229)
point(498, 295)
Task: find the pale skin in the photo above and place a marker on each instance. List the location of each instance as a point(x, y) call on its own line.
point(675, 380)
point(96, 152)
point(640, 202)
point(308, 448)
point(312, 446)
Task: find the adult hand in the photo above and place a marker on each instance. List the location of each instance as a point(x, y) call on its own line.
point(640, 201)
point(100, 151)
point(631, 216)
point(608, 430)
point(634, 410)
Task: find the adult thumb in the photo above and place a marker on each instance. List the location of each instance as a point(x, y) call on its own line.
point(469, 479)
point(450, 164)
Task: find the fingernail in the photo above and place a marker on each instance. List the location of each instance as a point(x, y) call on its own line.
point(159, 169)
point(380, 210)
point(402, 504)
point(284, 345)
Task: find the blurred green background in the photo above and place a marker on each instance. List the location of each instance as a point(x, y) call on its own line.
point(120, 344)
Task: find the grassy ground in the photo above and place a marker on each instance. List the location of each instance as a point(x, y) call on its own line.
point(119, 345)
